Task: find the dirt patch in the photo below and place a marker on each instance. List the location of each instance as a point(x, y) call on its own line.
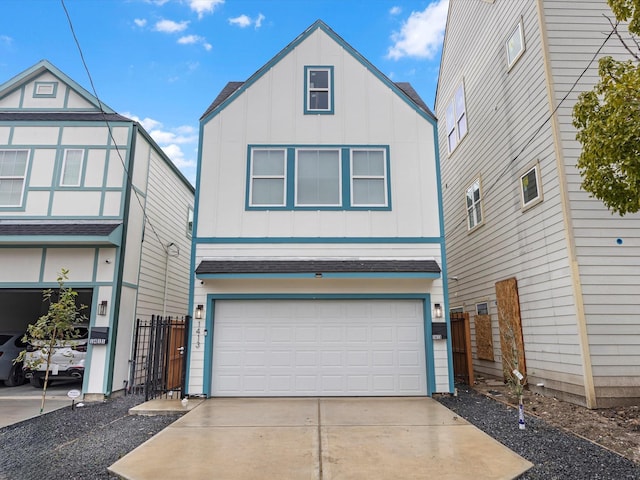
point(617, 429)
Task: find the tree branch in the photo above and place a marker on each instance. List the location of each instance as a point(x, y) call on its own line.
point(624, 44)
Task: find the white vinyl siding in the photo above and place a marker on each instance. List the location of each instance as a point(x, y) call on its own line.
point(608, 270)
point(533, 247)
point(13, 168)
point(72, 168)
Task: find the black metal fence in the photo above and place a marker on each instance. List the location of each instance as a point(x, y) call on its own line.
point(159, 361)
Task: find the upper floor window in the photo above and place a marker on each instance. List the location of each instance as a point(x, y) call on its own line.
point(318, 179)
point(72, 168)
point(368, 177)
point(189, 222)
point(530, 188)
point(474, 205)
point(45, 89)
point(13, 169)
point(313, 178)
point(515, 44)
point(318, 90)
point(456, 114)
point(267, 170)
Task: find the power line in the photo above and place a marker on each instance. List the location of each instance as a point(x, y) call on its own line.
point(106, 121)
point(549, 117)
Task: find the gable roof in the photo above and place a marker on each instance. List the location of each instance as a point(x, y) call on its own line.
point(44, 66)
point(404, 90)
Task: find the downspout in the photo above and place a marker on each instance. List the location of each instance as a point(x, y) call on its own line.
point(166, 274)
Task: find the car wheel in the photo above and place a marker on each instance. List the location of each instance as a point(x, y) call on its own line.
point(37, 382)
point(16, 376)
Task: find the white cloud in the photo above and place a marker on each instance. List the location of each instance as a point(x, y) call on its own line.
point(195, 39)
point(6, 40)
point(141, 22)
point(169, 26)
point(173, 142)
point(204, 6)
point(244, 21)
point(157, 2)
point(422, 33)
point(395, 10)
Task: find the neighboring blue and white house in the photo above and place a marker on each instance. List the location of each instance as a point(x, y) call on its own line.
point(516, 215)
point(318, 248)
point(86, 189)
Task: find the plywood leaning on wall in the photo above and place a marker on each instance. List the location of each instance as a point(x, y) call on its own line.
point(510, 323)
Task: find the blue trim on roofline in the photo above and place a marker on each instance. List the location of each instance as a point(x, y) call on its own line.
point(210, 323)
point(318, 240)
point(36, 70)
point(369, 275)
point(319, 24)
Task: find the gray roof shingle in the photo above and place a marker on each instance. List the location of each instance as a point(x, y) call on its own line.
point(54, 229)
point(317, 266)
point(61, 116)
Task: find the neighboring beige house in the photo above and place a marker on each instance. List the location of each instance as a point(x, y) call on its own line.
point(318, 241)
point(86, 189)
point(529, 252)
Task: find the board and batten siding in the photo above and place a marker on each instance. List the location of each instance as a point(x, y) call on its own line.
point(508, 132)
point(367, 112)
point(609, 272)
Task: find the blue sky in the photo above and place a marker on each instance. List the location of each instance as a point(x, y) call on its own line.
point(163, 62)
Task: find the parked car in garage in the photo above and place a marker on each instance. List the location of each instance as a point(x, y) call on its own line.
point(67, 360)
point(11, 345)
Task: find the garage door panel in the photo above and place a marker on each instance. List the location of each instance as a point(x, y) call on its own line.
point(320, 347)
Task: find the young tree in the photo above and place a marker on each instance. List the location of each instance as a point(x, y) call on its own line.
point(608, 123)
point(57, 326)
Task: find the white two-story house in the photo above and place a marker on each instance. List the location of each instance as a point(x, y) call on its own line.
point(537, 263)
point(85, 189)
point(318, 248)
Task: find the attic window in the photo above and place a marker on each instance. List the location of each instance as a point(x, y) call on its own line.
point(45, 89)
point(318, 90)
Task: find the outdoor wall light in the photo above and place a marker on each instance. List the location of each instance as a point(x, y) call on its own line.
point(102, 307)
point(199, 312)
point(437, 310)
point(318, 275)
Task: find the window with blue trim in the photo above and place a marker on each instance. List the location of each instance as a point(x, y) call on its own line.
point(72, 168)
point(13, 170)
point(318, 90)
point(338, 177)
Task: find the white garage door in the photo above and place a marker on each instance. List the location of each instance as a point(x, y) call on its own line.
point(318, 348)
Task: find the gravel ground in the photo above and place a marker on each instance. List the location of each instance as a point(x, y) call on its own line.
point(76, 444)
point(556, 454)
point(82, 443)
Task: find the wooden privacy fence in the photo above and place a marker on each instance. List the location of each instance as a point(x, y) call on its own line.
point(461, 348)
point(159, 359)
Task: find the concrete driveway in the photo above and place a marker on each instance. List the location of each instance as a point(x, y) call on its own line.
point(23, 402)
point(320, 438)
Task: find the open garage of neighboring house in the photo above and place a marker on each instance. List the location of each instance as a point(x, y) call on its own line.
point(21, 307)
point(313, 347)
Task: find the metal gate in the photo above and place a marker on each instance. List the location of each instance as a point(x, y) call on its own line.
point(159, 360)
point(461, 347)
